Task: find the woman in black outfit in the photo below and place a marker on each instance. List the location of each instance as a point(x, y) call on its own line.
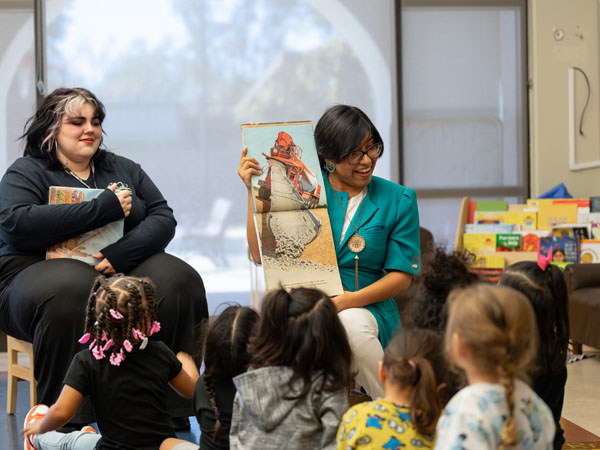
point(43, 301)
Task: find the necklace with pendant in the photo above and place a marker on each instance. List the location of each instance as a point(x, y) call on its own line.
point(74, 175)
point(356, 243)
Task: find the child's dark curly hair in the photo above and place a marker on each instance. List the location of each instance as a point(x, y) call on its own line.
point(121, 312)
point(442, 273)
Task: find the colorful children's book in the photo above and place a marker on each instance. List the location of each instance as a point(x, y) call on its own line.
point(564, 249)
point(492, 206)
point(550, 214)
point(489, 217)
point(84, 246)
point(576, 231)
point(290, 208)
point(488, 261)
point(508, 242)
point(526, 219)
point(479, 242)
point(589, 251)
point(530, 242)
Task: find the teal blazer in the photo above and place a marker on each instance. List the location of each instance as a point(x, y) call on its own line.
point(390, 226)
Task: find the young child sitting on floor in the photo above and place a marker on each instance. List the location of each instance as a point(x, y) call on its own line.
point(224, 350)
point(492, 336)
point(296, 391)
point(407, 414)
point(545, 287)
point(126, 375)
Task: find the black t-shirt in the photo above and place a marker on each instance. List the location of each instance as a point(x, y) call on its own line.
point(224, 394)
point(130, 399)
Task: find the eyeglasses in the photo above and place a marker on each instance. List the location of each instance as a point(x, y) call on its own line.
point(356, 156)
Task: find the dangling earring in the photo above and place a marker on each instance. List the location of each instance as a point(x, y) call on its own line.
point(330, 166)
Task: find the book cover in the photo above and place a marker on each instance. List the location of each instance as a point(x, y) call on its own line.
point(489, 217)
point(595, 204)
point(580, 202)
point(84, 246)
point(592, 218)
point(488, 228)
point(564, 249)
point(472, 209)
point(479, 242)
point(489, 261)
point(492, 206)
point(530, 242)
point(551, 214)
point(576, 231)
point(508, 242)
point(526, 219)
point(290, 208)
point(589, 251)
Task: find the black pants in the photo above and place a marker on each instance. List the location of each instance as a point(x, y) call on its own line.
point(45, 304)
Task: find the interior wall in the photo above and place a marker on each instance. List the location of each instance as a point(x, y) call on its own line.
point(564, 34)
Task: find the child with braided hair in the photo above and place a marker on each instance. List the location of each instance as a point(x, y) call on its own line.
point(223, 347)
point(492, 336)
point(126, 375)
point(412, 367)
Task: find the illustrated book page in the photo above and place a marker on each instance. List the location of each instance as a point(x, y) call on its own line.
point(290, 208)
point(84, 246)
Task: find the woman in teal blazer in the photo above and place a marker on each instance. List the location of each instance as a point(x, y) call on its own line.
point(375, 225)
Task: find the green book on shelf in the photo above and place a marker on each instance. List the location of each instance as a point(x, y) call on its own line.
point(492, 206)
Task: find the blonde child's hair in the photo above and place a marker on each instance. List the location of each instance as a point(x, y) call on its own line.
point(497, 324)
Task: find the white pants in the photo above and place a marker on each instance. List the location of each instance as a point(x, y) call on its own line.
point(362, 330)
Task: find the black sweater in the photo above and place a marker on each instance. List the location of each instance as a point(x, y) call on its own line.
point(28, 225)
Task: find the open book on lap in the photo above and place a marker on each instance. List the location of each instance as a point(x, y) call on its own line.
point(84, 246)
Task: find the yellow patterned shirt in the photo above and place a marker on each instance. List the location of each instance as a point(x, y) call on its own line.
point(380, 424)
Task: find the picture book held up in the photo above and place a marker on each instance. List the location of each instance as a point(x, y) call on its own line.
point(290, 208)
point(84, 246)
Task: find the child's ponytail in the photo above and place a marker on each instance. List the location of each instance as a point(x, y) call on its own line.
point(425, 405)
point(415, 358)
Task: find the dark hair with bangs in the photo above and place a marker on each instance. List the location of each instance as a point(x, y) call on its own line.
point(340, 130)
point(42, 128)
point(548, 294)
point(301, 330)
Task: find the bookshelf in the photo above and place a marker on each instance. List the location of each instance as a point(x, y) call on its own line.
point(509, 257)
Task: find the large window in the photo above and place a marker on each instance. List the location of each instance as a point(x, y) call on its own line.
point(17, 76)
point(464, 105)
point(179, 77)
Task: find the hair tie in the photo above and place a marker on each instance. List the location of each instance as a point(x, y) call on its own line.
point(127, 345)
point(116, 314)
point(155, 328)
point(98, 352)
point(107, 345)
point(544, 261)
point(83, 339)
point(412, 364)
point(92, 344)
point(104, 337)
point(144, 343)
